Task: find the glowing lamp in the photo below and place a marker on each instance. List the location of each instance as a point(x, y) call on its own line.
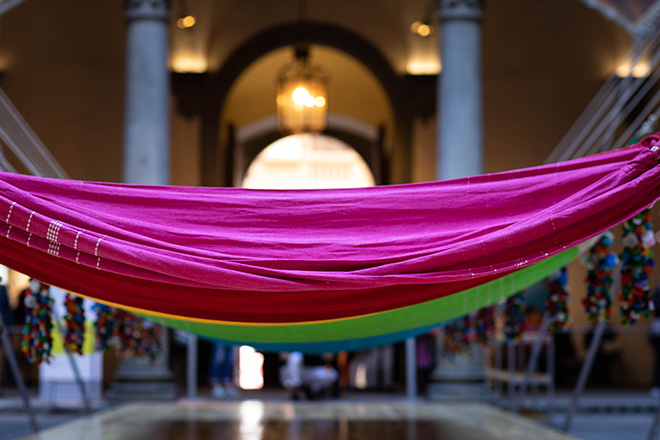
point(186, 22)
point(302, 91)
point(422, 28)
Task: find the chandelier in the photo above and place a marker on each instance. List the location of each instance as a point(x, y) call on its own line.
point(302, 93)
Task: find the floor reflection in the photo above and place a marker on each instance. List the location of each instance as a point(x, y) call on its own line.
point(250, 423)
point(256, 420)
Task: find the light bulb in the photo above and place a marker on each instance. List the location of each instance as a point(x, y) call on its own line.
point(301, 96)
point(186, 22)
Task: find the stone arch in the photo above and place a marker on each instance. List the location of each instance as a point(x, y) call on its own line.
point(218, 85)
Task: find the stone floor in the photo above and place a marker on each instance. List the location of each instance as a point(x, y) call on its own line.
point(257, 420)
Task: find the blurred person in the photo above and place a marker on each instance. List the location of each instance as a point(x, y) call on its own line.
point(30, 372)
point(178, 359)
point(221, 372)
point(377, 363)
point(314, 381)
point(425, 361)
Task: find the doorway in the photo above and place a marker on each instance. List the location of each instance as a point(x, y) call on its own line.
point(300, 161)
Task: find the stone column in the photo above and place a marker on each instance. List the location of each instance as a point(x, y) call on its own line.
point(460, 154)
point(460, 123)
point(146, 158)
point(146, 155)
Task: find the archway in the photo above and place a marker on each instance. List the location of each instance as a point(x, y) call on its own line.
point(221, 82)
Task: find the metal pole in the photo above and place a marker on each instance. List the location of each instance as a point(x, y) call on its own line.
point(497, 382)
point(551, 372)
point(584, 373)
point(411, 369)
point(655, 426)
point(533, 360)
point(192, 366)
point(13, 364)
point(74, 365)
point(591, 356)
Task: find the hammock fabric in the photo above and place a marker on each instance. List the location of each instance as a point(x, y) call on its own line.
point(318, 267)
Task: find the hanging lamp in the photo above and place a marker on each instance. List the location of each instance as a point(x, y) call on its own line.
point(302, 96)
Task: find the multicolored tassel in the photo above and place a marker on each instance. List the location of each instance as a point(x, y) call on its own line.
point(74, 320)
point(37, 340)
point(457, 336)
point(636, 266)
point(134, 336)
point(557, 303)
point(484, 326)
point(600, 262)
point(514, 317)
point(103, 327)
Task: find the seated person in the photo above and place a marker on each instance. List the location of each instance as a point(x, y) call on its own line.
point(313, 381)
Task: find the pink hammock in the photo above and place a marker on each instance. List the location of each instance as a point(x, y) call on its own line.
point(262, 256)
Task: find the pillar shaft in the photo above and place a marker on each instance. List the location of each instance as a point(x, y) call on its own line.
point(146, 158)
point(460, 124)
point(146, 155)
point(460, 149)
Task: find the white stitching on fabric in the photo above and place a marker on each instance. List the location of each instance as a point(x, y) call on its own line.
point(96, 253)
point(96, 249)
point(75, 242)
point(75, 246)
point(27, 228)
point(9, 213)
point(53, 234)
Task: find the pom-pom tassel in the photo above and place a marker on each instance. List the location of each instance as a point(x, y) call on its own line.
point(37, 340)
point(636, 264)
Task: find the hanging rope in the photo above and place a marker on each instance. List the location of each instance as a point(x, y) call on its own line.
point(593, 130)
point(24, 143)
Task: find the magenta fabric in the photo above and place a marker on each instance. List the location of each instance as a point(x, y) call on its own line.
point(296, 256)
